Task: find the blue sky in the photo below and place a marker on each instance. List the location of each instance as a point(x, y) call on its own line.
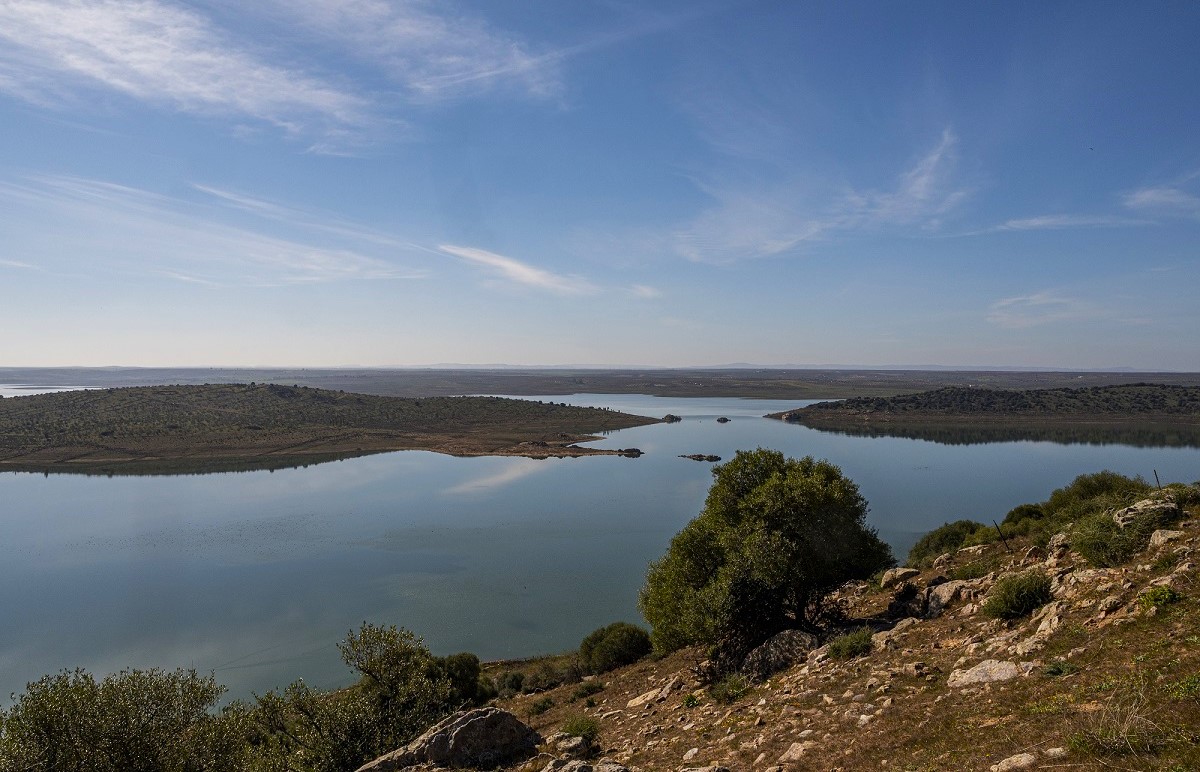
point(382, 182)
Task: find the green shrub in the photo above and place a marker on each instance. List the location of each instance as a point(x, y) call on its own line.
point(852, 644)
point(1090, 493)
point(976, 569)
point(946, 538)
point(1017, 596)
point(540, 706)
point(1105, 544)
point(582, 726)
point(776, 535)
point(613, 646)
point(1024, 512)
point(468, 687)
point(729, 689)
point(1060, 667)
point(586, 689)
point(132, 720)
point(510, 682)
point(401, 692)
point(1157, 597)
point(691, 701)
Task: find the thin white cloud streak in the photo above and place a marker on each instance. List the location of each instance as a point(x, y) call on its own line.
point(1164, 200)
point(645, 292)
point(142, 233)
point(1035, 310)
point(1064, 221)
point(158, 53)
point(306, 219)
point(517, 272)
point(760, 223)
point(426, 48)
point(18, 264)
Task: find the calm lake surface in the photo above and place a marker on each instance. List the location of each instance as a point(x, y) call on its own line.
point(257, 575)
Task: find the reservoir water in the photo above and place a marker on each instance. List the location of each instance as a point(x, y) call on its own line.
point(257, 575)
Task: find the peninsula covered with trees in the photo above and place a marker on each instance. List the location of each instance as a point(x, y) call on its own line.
point(1137, 402)
point(254, 426)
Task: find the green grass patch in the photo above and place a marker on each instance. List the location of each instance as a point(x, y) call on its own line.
point(1016, 596)
point(1158, 597)
point(852, 644)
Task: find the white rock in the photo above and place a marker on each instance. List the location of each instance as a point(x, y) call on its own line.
point(1162, 536)
point(988, 671)
point(1020, 761)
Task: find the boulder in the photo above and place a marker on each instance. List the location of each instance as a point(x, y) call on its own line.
point(1162, 536)
point(565, 765)
point(894, 576)
point(938, 597)
point(1156, 510)
point(988, 671)
point(484, 737)
point(779, 652)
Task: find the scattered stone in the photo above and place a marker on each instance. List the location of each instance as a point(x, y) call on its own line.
point(795, 752)
point(1055, 753)
point(1020, 761)
point(484, 737)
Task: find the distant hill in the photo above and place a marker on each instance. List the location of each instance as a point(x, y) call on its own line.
point(1139, 400)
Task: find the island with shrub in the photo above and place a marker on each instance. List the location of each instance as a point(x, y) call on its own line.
point(226, 427)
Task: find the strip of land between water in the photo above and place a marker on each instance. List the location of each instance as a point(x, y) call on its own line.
point(229, 427)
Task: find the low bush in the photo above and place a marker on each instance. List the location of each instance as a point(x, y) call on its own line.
point(510, 682)
point(1105, 544)
point(586, 689)
point(1090, 493)
point(947, 538)
point(1024, 512)
point(1017, 596)
point(729, 689)
point(852, 644)
point(1157, 597)
point(540, 706)
point(1060, 667)
point(132, 720)
point(582, 726)
point(613, 646)
point(976, 569)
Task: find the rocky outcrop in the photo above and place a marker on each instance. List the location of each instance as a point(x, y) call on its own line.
point(780, 652)
point(894, 576)
point(485, 737)
point(671, 418)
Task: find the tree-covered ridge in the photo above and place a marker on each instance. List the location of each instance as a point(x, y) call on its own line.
point(241, 420)
point(1125, 400)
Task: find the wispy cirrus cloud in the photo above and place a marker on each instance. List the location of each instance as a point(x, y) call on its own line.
point(645, 292)
point(760, 222)
point(159, 53)
point(517, 272)
point(431, 50)
point(1166, 200)
point(1035, 310)
point(1063, 222)
point(116, 228)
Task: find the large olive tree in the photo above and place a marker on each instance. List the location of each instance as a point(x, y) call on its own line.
point(776, 535)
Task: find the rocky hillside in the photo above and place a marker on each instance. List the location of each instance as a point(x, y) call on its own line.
point(1103, 673)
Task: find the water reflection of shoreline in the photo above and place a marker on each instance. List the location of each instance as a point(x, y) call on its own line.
point(1159, 435)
